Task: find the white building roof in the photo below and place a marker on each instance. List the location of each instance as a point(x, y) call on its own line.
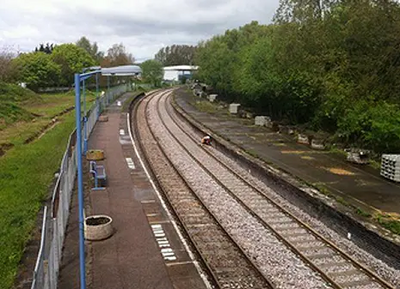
point(181, 68)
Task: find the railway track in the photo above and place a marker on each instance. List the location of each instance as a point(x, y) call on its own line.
point(223, 257)
point(334, 265)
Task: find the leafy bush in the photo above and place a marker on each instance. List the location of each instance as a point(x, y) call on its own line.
point(384, 133)
point(37, 70)
point(374, 125)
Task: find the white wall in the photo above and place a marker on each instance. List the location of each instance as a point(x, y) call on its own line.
point(171, 75)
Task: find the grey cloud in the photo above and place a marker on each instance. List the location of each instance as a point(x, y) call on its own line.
point(142, 33)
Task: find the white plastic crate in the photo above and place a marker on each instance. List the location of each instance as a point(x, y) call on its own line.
point(390, 167)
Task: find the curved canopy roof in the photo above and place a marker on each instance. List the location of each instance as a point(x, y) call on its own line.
point(124, 70)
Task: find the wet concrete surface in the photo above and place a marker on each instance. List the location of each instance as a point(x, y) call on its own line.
point(359, 185)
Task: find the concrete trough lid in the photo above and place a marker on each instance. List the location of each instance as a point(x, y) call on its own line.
point(233, 108)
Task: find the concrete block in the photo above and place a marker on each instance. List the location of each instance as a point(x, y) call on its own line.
point(358, 156)
point(234, 108)
point(268, 122)
point(303, 139)
point(212, 97)
point(317, 144)
point(260, 120)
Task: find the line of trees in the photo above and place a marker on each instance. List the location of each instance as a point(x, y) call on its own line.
point(152, 72)
point(176, 55)
point(54, 65)
point(331, 65)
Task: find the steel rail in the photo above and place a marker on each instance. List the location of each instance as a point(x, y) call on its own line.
point(374, 277)
point(178, 215)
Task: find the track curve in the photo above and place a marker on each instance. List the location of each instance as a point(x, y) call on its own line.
point(331, 264)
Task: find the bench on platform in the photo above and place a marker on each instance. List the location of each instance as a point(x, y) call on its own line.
point(99, 173)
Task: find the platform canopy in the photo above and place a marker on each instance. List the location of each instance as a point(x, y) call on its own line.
point(124, 70)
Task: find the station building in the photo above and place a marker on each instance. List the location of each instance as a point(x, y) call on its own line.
point(176, 73)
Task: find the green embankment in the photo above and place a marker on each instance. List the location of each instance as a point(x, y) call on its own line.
point(11, 98)
point(26, 170)
point(25, 175)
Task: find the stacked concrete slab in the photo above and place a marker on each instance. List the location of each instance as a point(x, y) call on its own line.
point(234, 108)
point(390, 167)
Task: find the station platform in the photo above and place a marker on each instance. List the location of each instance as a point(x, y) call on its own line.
point(361, 186)
point(146, 249)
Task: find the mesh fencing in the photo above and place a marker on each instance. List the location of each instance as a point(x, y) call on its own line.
point(55, 217)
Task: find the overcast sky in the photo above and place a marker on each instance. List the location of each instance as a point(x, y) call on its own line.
point(143, 26)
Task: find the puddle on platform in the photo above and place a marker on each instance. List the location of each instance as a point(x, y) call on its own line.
point(307, 158)
point(279, 144)
point(339, 171)
point(294, 152)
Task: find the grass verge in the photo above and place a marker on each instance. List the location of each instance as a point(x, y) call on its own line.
point(25, 174)
point(205, 106)
point(389, 222)
point(45, 110)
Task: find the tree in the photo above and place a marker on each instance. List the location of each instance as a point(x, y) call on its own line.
point(325, 64)
point(117, 55)
point(152, 72)
point(72, 59)
point(302, 10)
point(37, 70)
point(216, 65)
point(48, 48)
point(176, 55)
point(92, 49)
point(7, 71)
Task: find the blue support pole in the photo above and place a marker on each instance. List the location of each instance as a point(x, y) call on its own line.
point(108, 89)
point(85, 144)
point(97, 95)
point(80, 182)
